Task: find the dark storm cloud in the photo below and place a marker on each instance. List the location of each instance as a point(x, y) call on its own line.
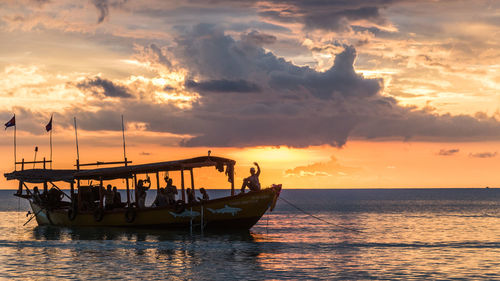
point(210, 53)
point(240, 86)
point(103, 86)
point(339, 81)
point(448, 152)
point(483, 155)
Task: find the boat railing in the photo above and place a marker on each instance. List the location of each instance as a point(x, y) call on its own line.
point(44, 162)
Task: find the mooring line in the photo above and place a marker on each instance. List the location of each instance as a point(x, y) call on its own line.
point(34, 215)
point(318, 218)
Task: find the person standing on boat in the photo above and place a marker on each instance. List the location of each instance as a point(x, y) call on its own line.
point(170, 191)
point(109, 197)
point(252, 182)
point(141, 192)
point(36, 196)
point(117, 198)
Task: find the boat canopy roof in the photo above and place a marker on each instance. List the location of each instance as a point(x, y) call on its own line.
point(129, 171)
point(47, 175)
point(41, 175)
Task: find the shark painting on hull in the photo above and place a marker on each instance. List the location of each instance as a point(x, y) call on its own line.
point(226, 210)
point(185, 214)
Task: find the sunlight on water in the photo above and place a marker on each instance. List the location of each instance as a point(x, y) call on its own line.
point(436, 236)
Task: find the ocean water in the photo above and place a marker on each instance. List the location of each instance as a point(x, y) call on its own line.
point(371, 234)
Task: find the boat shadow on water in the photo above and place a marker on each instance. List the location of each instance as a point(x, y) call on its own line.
point(47, 232)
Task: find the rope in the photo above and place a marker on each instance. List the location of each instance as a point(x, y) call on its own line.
point(34, 215)
point(318, 218)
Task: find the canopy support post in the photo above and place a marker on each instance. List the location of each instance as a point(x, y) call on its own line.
point(192, 178)
point(72, 191)
point(20, 189)
point(157, 181)
point(101, 194)
point(128, 192)
point(135, 190)
point(78, 180)
point(231, 178)
point(182, 185)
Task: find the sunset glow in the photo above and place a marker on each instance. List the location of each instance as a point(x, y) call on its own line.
point(321, 94)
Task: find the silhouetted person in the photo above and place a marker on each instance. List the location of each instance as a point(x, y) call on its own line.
point(141, 192)
point(117, 198)
point(170, 191)
point(190, 195)
point(161, 199)
point(36, 196)
point(204, 195)
point(109, 197)
point(252, 182)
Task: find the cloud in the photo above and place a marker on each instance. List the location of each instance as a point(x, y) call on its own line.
point(258, 38)
point(448, 152)
point(294, 106)
point(246, 95)
point(483, 154)
point(329, 168)
point(326, 15)
point(104, 87)
point(103, 9)
point(223, 85)
point(157, 55)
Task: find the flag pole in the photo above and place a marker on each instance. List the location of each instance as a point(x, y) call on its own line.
point(51, 149)
point(77, 152)
point(15, 147)
point(34, 159)
point(51, 128)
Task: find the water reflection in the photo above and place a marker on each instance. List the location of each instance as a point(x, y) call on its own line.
point(181, 254)
point(436, 242)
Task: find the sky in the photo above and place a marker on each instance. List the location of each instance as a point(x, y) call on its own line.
point(322, 94)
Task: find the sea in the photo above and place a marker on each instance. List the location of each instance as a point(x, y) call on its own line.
point(313, 234)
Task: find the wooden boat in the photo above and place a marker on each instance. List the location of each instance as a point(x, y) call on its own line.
point(239, 211)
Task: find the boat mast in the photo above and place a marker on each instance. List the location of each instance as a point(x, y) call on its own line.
point(123, 135)
point(77, 151)
point(77, 168)
point(126, 163)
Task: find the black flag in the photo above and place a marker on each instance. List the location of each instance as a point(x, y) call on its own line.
point(48, 127)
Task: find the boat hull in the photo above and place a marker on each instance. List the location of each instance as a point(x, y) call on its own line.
point(235, 212)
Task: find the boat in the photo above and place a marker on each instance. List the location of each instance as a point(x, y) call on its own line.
point(84, 206)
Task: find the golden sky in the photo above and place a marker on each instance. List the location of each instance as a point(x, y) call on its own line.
point(333, 94)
